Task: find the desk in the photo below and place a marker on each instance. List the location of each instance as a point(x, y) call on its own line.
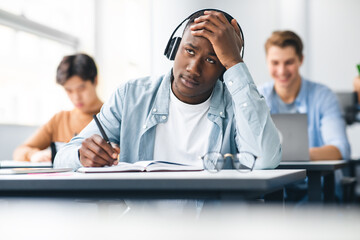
point(20, 164)
point(316, 169)
point(225, 185)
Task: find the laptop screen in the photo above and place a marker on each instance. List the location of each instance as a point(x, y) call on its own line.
point(293, 132)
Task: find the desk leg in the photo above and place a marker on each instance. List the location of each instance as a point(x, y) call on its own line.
point(275, 197)
point(329, 187)
point(314, 186)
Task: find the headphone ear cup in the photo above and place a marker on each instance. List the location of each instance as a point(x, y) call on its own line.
point(172, 48)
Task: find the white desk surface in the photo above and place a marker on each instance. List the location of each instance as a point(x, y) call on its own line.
point(330, 165)
point(225, 181)
point(190, 175)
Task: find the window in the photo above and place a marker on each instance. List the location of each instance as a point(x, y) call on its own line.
point(35, 35)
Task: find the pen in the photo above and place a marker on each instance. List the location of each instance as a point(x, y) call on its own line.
point(358, 67)
point(101, 130)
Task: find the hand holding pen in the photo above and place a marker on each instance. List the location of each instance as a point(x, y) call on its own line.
point(97, 151)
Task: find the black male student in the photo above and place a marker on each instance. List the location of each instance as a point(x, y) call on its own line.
point(207, 102)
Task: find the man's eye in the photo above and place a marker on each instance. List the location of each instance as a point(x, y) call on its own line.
point(210, 60)
point(290, 63)
point(191, 52)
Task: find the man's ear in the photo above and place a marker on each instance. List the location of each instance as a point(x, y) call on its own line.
point(302, 59)
point(95, 81)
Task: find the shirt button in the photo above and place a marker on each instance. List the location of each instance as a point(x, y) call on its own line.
point(163, 117)
point(221, 113)
point(154, 110)
point(244, 104)
point(231, 83)
point(144, 126)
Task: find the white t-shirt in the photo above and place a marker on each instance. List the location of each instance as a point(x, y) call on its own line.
point(185, 136)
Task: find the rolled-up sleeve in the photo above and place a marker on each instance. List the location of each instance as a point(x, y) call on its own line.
point(255, 130)
point(68, 155)
point(109, 116)
point(333, 127)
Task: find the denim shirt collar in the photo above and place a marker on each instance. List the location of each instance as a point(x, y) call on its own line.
point(162, 99)
point(300, 100)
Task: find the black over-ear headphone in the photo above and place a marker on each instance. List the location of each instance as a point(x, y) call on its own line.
point(174, 42)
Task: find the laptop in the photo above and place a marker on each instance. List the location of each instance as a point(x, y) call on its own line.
point(293, 132)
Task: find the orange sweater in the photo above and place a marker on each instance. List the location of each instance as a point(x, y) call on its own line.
point(61, 128)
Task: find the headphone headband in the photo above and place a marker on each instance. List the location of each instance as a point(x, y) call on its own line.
point(173, 43)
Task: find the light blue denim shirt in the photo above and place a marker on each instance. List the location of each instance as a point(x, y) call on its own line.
point(240, 115)
point(325, 123)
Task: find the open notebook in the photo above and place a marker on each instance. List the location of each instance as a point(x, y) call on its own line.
point(142, 166)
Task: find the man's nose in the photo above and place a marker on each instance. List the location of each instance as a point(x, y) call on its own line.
point(76, 96)
point(281, 69)
point(194, 67)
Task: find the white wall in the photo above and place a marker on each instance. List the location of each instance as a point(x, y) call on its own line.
point(334, 42)
point(123, 46)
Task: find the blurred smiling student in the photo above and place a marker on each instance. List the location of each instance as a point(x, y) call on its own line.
point(78, 75)
point(291, 93)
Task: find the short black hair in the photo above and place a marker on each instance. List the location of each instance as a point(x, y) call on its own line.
point(80, 64)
